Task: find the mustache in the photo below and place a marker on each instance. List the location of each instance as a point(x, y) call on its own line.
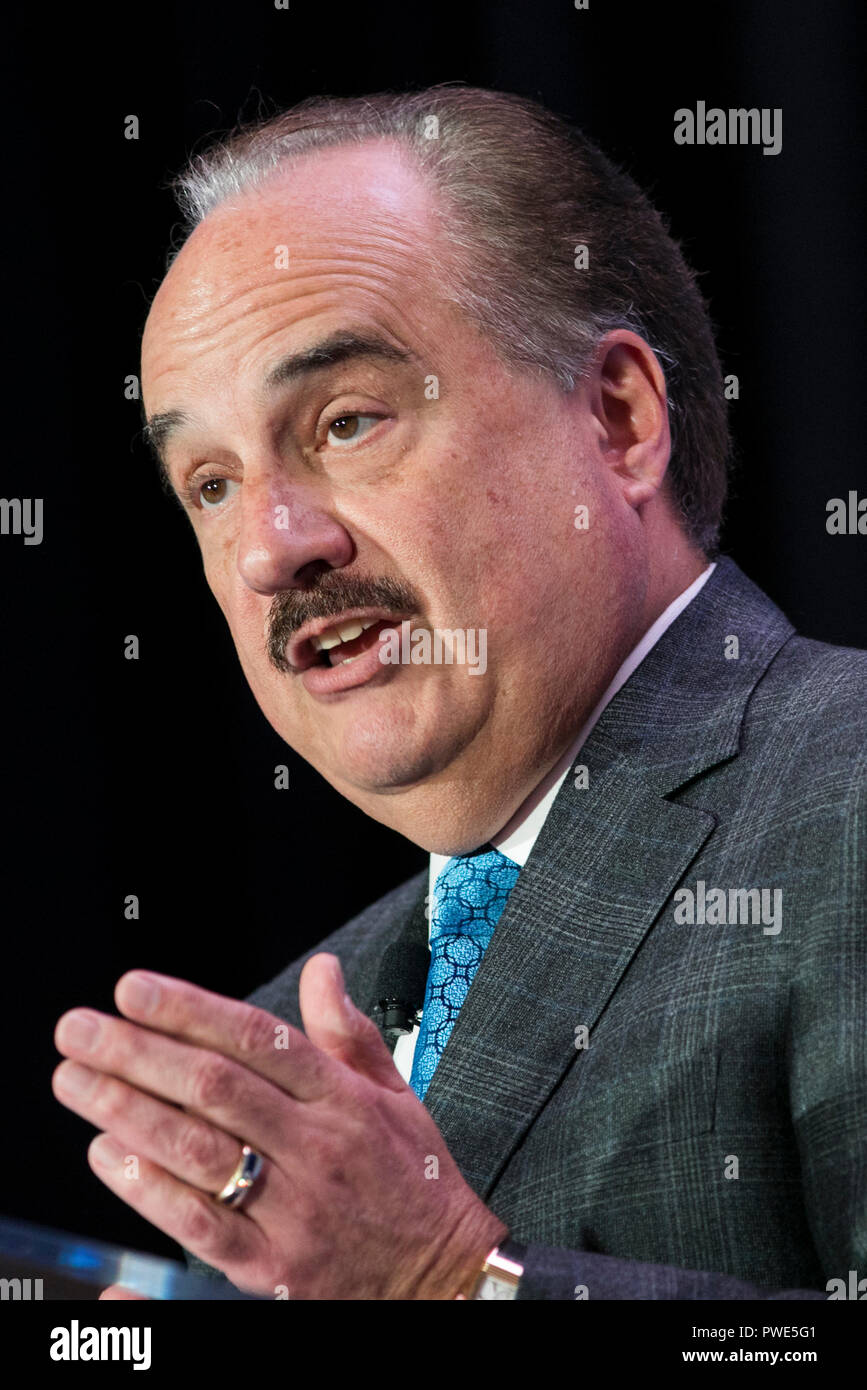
point(328, 598)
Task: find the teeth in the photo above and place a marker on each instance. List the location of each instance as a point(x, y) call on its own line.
point(344, 632)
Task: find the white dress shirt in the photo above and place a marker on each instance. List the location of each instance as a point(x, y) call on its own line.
point(518, 835)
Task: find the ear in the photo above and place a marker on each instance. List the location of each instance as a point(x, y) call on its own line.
point(630, 405)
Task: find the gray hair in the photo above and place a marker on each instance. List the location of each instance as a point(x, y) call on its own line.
point(520, 192)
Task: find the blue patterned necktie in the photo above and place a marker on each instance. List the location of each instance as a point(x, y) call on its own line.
point(469, 896)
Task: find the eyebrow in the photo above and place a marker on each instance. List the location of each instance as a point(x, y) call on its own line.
point(339, 348)
point(331, 352)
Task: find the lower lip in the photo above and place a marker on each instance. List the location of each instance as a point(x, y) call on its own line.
point(331, 680)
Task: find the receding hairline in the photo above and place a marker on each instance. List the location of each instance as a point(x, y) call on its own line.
point(270, 183)
point(517, 177)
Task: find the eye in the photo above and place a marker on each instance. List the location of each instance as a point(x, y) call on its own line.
point(349, 428)
point(214, 491)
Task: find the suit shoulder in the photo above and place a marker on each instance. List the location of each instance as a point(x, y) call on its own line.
point(358, 945)
point(804, 737)
point(819, 690)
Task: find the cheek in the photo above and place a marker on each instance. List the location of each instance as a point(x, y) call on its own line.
point(218, 564)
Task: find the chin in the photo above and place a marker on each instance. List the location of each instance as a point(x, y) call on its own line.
point(386, 759)
point(380, 771)
point(386, 744)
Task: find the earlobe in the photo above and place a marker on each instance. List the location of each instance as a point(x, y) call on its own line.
point(637, 492)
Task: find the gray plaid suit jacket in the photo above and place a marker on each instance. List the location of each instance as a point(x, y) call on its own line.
point(710, 1140)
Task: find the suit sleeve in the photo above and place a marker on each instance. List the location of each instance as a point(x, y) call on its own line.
point(828, 1050)
point(551, 1272)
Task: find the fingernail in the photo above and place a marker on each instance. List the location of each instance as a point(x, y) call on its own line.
point(107, 1152)
point(79, 1030)
point(141, 992)
point(76, 1080)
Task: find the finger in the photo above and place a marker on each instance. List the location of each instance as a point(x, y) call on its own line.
point(266, 1044)
point(338, 1028)
point(206, 1083)
point(117, 1291)
point(185, 1145)
point(226, 1239)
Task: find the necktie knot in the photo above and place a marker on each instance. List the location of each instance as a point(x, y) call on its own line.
point(470, 893)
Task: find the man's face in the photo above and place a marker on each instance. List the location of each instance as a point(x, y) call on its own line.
point(428, 483)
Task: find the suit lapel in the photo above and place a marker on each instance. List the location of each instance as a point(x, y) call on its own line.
point(394, 967)
point(597, 876)
point(606, 860)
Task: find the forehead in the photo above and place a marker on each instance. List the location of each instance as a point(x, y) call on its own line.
point(349, 228)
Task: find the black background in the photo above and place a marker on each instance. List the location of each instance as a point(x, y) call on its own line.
point(156, 777)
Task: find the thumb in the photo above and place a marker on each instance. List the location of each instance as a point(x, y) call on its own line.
point(338, 1028)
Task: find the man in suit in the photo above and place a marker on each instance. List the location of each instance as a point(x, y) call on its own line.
point(414, 375)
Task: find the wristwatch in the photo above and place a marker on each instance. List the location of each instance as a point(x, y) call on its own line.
point(500, 1275)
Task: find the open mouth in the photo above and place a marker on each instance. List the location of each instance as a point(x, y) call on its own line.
point(339, 645)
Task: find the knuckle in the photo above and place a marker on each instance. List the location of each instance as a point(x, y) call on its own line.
point(196, 1148)
point(212, 1083)
point(201, 1227)
point(108, 1100)
point(256, 1032)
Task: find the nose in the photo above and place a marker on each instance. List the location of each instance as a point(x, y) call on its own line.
point(286, 535)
